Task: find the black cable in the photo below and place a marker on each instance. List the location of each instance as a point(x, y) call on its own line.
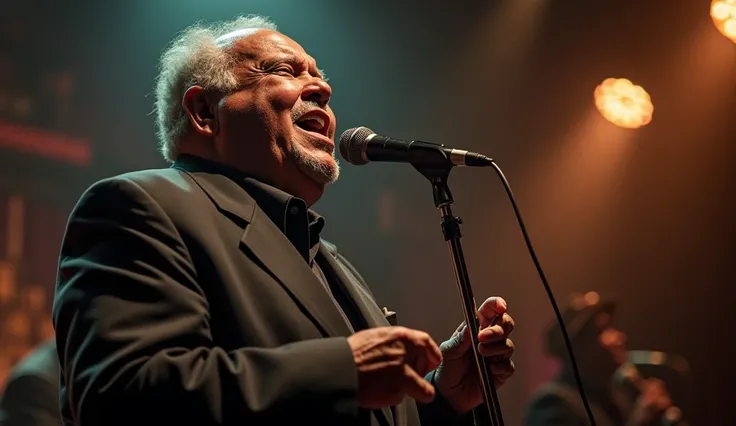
point(551, 296)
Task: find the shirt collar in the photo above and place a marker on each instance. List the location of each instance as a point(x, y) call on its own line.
point(276, 203)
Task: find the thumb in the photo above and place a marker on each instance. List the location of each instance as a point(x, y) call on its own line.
point(458, 344)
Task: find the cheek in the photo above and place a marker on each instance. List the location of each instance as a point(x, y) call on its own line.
point(234, 124)
point(280, 93)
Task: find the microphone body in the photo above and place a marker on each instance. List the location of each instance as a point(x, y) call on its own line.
point(361, 145)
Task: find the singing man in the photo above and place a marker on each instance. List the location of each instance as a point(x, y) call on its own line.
point(202, 294)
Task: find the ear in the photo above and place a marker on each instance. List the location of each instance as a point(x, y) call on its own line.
point(200, 107)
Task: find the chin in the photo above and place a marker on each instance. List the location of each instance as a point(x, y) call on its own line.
point(321, 174)
point(318, 167)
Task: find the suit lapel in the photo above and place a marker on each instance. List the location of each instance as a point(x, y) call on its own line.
point(270, 247)
point(365, 305)
point(362, 299)
point(266, 243)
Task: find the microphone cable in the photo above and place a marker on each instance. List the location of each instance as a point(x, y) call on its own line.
point(547, 288)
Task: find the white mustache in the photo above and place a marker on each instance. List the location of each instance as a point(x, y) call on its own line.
point(302, 109)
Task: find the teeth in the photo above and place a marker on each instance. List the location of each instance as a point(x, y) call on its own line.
point(313, 122)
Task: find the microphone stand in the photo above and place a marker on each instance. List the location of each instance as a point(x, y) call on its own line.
point(489, 413)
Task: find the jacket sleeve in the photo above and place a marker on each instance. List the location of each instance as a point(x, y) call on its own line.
point(439, 412)
point(30, 400)
point(134, 341)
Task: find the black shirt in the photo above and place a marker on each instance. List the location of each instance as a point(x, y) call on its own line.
point(301, 226)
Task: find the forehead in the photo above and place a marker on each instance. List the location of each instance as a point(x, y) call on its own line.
point(265, 44)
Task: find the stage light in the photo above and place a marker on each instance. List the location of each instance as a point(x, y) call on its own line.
point(623, 103)
point(723, 13)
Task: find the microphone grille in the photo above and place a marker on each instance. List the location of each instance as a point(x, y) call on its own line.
point(351, 144)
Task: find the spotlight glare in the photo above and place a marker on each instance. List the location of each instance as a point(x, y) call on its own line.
point(723, 13)
point(623, 103)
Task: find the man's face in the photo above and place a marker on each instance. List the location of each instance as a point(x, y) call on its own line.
point(278, 125)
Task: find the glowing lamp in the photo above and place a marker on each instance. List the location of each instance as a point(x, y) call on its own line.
point(623, 103)
point(723, 13)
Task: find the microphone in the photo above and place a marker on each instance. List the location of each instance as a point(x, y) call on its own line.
point(360, 145)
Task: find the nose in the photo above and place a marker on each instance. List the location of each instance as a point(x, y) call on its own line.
point(317, 91)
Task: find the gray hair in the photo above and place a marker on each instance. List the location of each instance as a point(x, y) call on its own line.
point(197, 56)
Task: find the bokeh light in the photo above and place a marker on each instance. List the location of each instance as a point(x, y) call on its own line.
point(723, 13)
point(623, 103)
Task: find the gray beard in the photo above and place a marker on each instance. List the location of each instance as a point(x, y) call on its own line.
point(314, 168)
point(311, 166)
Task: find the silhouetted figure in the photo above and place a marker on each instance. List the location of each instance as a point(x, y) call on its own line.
point(31, 396)
point(600, 350)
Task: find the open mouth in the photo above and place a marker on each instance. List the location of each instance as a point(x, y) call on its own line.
point(315, 121)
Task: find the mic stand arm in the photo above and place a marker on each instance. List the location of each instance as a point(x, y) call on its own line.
point(489, 413)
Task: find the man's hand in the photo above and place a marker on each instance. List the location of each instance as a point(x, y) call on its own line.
point(392, 362)
point(651, 404)
point(457, 378)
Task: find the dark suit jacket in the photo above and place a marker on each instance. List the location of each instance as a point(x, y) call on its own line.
point(179, 302)
point(31, 396)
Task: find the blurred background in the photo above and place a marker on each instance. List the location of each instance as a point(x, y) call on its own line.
point(625, 185)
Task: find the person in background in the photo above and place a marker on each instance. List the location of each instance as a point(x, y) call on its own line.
point(600, 350)
point(31, 394)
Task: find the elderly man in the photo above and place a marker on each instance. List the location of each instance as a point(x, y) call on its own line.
point(202, 294)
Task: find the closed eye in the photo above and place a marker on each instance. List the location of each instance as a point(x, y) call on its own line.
point(284, 69)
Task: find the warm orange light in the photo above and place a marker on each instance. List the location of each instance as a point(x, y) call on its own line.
point(623, 103)
point(723, 13)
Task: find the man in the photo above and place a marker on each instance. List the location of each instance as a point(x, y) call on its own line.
point(202, 294)
point(31, 396)
point(600, 350)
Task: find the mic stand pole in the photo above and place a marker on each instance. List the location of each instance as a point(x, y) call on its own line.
point(489, 413)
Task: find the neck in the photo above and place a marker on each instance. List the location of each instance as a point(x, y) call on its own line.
point(302, 186)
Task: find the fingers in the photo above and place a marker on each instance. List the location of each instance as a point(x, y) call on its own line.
point(425, 341)
point(425, 355)
point(490, 309)
point(460, 329)
point(460, 341)
point(502, 371)
point(497, 330)
point(497, 351)
point(416, 387)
